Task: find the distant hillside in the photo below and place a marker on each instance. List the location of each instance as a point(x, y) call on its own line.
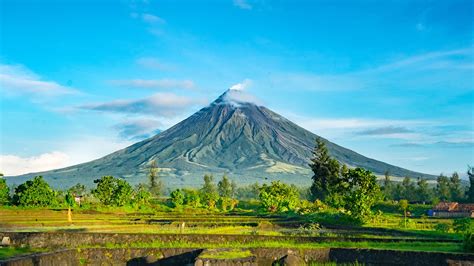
point(247, 141)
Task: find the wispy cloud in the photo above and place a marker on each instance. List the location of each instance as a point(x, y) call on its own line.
point(16, 165)
point(159, 104)
point(242, 4)
point(388, 130)
point(457, 58)
point(152, 19)
point(438, 144)
point(153, 63)
point(154, 83)
point(436, 70)
point(351, 128)
point(137, 129)
point(18, 80)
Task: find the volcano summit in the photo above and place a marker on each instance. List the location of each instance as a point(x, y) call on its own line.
point(234, 135)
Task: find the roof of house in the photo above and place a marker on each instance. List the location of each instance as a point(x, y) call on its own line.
point(446, 206)
point(454, 207)
point(466, 207)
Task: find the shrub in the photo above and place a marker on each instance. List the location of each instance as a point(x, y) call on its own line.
point(464, 225)
point(278, 197)
point(34, 192)
point(442, 227)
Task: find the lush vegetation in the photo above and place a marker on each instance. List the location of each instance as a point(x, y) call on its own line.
point(351, 198)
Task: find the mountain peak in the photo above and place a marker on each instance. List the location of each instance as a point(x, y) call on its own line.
point(237, 96)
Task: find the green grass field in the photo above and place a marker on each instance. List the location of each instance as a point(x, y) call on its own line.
point(238, 223)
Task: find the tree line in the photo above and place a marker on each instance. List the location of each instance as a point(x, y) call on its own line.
point(445, 189)
point(350, 191)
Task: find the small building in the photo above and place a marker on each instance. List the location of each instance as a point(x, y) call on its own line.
point(452, 210)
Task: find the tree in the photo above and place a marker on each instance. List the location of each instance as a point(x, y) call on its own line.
point(408, 189)
point(387, 186)
point(34, 192)
point(404, 207)
point(209, 192)
point(278, 197)
point(141, 195)
point(422, 191)
point(248, 192)
point(224, 187)
point(123, 193)
point(233, 186)
point(455, 187)
point(4, 192)
point(177, 198)
point(326, 178)
point(362, 193)
point(192, 198)
point(398, 192)
point(112, 191)
point(442, 188)
point(77, 190)
point(470, 191)
point(156, 185)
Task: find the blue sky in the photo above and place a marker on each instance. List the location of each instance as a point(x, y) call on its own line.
point(392, 80)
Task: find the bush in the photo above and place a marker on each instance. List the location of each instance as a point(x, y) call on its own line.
point(464, 225)
point(34, 192)
point(442, 228)
point(278, 197)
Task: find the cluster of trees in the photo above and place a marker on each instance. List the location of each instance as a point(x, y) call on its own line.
point(109, 191)
point(209, 196)
point(353, 190)
point(445, 189)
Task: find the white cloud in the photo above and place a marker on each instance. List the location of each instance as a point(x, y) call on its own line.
point(241, 86)
point(159, 104)
point(237, 94)
point(154, 83)
point(243, 4)
point(18, 80)
point(152, 19)
point(16, 165)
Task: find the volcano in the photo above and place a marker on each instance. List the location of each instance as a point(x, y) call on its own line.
point(233, 136)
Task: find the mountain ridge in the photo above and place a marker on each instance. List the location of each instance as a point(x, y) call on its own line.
point(233, 135)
